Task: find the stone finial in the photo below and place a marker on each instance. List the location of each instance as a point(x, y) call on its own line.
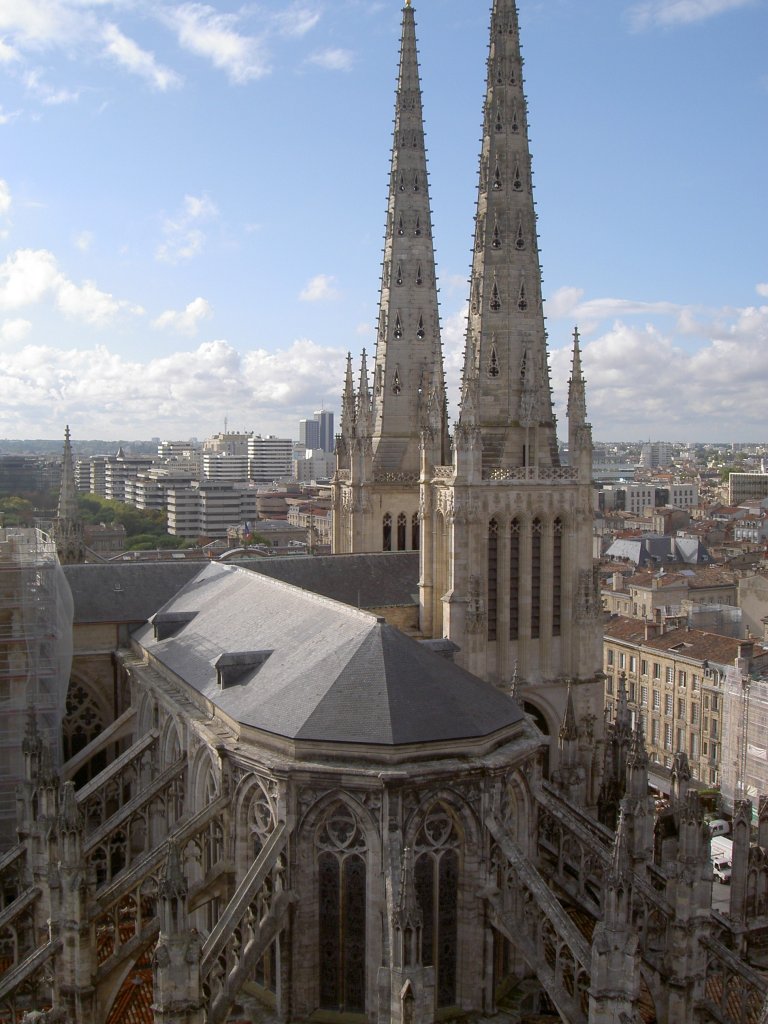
point(69, 818)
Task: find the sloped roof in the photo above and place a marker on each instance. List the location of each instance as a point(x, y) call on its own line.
point(326, 672)
point(132, 591)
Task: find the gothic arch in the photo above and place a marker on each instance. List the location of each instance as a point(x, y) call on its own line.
point(170, 741)
point(205, 780)
point(148, 714)
point(456, 805)
point(255, 818)
point(87, 715)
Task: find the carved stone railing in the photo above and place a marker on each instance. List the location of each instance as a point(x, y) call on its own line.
point(533, 474)
point(113, 787)
point(381, 476)
point(343, 476)
point(444, 473)
point(734, 993)
point(27, 969)
point(528, 913)
point(129, 833)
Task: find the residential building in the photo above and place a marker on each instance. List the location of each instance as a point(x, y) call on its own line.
point(208, 508)
point(743, 486)
point(675, 682)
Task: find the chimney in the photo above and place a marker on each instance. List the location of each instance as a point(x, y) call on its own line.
point(650, 629)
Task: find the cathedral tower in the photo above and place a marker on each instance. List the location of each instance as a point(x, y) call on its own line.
point(402, 403)
point(507, 532)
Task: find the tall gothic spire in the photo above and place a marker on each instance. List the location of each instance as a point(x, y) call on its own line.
point(577, 399)
point(506, 348)
point(68, 526)
point(408, 375)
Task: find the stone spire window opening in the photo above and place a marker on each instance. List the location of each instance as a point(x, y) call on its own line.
point(386, 538)
point(493, 366)
point(415, 532)
point(419, 276)
point(498, 183)
point(495, 298)
point(398, 326)
point(496, 239)
point(420, 330)
point(522, 301)
point(396, 385)
point(402, 522)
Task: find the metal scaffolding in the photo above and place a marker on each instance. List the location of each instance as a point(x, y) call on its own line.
point(35, 656)
point(745, 738)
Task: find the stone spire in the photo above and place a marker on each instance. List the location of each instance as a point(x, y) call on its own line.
point(68, 527)
point(408, 377)
point(506, 347)
point(577, 398)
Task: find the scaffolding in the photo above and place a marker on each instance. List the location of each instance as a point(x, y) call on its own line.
point(745, 738)
point(35, 656)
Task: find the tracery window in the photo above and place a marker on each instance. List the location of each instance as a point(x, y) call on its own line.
point(557, 577)
point(401, 525)
point(341, 865)
point(387, 533)
point(536, 579)
point(415, 532)
point(514, 579)
point(82, 723)
point(436, 880)
point(493, 581)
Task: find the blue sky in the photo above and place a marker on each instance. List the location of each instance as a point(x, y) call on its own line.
point(192, 203)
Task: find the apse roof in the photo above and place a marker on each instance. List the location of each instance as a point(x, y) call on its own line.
point(291, 663)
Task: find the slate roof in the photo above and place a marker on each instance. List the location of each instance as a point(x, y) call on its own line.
point(325, 672)
point(132, 591)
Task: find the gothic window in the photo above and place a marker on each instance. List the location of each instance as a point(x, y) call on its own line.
point(498, 184)
point(387, 533)
point(493, 581)
point(536, 579)
point(436, 881)
point(493, 365)
point(499, 120)
point(398, 327)
point(496, 240)
point(415, 183)
point(520, 237)
point(557, 577)
point(260, 822)
point(495, 298)
point(341, 867)
point(514, 579)
point(396, 385)
point(82, 723)
point(517, 181)
point(500, 71)
point(401, 183)
point(522, 301)
point(399, 278)
point(401, 524)
point(419, 278)
point(400, 228)
point(377, 379)
point(417, 229)
point(415, 532)
point(420, 331)
point(515, 120)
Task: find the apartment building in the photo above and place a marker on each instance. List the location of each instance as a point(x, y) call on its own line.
point(675, 683)
point(270, 458)
point(208, 508)
point(657, 594)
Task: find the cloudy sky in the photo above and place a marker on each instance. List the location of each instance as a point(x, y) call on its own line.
point(192, 205)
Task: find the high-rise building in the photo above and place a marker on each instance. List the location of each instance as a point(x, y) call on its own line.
point(309, 433)
point(269, 458)
point(326, 438)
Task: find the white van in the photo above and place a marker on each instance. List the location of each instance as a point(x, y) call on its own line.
point(719, 827)
point(721, 870)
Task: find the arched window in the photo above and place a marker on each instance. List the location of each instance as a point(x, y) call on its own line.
point(83, 722)
point(536, 579)
point(514, 579)
point(415, 532)
point(386, 539)
point(557, 578)
point(341, 866)
point(493, 580)
point(436, 880)
point(401, 524)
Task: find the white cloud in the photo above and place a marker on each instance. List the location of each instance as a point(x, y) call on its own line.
point(648, 374)
point(83, 240)
point(564, 301)
point(207, 33)
point(680, 12)
point(181, 394)
point(187, 320)
point(333, 60)
point(762, 289)
point(184, 240)
point(319, 289)
point(7, 118)
point(28, 276)
point(14, 331)
point(47, 94)
point(7, 53)
point(38, 24)
point(129, 55)
point(297, 20)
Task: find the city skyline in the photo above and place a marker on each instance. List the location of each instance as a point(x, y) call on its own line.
point(165, 262)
